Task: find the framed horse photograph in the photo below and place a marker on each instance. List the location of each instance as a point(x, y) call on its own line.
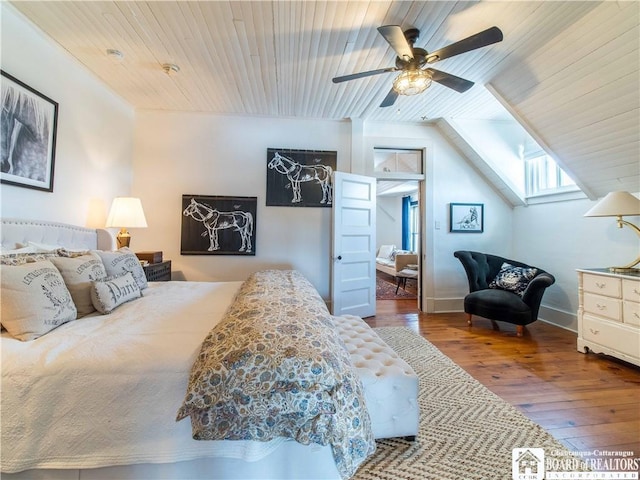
point(28, 148)
point(300, 178)
point(218, 225)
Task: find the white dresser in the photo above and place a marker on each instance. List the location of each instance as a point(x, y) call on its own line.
point(609, 313)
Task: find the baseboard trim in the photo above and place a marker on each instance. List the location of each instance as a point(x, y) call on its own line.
point(559, 318)
point(444, 305)
point(550, 315)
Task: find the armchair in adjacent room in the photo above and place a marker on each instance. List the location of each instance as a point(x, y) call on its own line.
point(502, 289)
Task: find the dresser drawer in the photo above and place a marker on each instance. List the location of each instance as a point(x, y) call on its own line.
point(602, 285)
point(631, 313)
point(603, 306)
point(631, 290)
point(616, 336)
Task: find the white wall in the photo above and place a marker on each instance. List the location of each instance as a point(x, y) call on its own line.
point(180, 153)
point(389, 221)
point(456, 182)
point(497, 142)
point(94, 135)
point(558, 238)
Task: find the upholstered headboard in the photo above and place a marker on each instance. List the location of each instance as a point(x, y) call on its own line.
point(16, 231)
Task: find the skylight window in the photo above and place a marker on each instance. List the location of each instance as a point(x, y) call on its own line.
point(543, 176)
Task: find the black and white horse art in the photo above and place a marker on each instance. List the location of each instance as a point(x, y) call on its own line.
point(215, 220)
point(297, 173)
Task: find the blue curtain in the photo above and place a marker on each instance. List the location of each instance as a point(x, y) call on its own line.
point(406, 230)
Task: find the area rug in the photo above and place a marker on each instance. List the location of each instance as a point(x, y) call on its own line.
point(386, 290)
point(466, 431)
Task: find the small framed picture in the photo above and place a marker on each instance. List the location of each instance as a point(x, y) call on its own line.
point(466, 217)
point(28, 144)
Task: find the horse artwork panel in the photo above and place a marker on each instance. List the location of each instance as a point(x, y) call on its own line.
point(218, 225)
point(27, 136)
point(300, 178)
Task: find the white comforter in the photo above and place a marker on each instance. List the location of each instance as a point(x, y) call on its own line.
point(104, 390)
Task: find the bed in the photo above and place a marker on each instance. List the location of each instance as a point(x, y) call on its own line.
point(125, 378)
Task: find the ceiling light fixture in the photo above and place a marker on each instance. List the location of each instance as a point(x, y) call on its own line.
point(412, 82)
point(170, 68)
point(116, 56)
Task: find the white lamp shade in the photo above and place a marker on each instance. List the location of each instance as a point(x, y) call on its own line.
point(615, 204)
point(126, 212)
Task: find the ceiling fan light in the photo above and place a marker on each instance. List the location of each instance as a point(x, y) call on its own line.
point(412, 82)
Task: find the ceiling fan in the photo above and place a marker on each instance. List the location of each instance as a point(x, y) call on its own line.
point(410, 61)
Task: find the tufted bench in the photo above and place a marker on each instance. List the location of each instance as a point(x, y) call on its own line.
point(390, 384)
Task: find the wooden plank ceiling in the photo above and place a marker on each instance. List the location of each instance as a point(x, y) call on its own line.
point(569, 69)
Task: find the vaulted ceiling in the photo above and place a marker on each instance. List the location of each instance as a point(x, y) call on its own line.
point(568, 70)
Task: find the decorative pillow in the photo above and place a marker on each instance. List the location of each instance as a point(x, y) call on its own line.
point(25, 257)
point(78, 272)
point(513, 279)
point(41, 247)
point(122, 261)
point(385, 251)
point(63, 252)
point(109, 294)
point(35, 299)
point(13, 251)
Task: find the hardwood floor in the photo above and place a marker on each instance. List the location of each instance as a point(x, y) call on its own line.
point(588, 402)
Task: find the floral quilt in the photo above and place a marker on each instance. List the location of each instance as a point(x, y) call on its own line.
point(275, 367)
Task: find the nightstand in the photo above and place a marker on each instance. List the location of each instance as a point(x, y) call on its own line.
point(158, 272)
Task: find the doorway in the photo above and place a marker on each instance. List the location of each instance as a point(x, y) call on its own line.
point(399, 240)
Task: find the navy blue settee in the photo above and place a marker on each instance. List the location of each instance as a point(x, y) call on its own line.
point(502, 298)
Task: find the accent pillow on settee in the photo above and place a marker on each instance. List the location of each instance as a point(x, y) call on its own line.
point(512, 278)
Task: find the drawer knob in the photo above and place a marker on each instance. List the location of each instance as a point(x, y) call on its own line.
point(636, 315)
point(595, 332)
point(601, 307)
point(636, 291)
point(600, 285)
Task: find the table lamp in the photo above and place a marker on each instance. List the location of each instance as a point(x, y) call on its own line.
point(126, 212)
point(619, 204)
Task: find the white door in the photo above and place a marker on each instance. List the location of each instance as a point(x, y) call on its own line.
point(353, 249)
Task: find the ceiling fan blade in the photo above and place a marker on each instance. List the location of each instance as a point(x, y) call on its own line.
point(482, 39)
point(390, 99)
point(394, 35)
point(456, 83)
point(353, 76)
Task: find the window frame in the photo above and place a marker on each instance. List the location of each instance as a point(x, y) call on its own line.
point(533, 172)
